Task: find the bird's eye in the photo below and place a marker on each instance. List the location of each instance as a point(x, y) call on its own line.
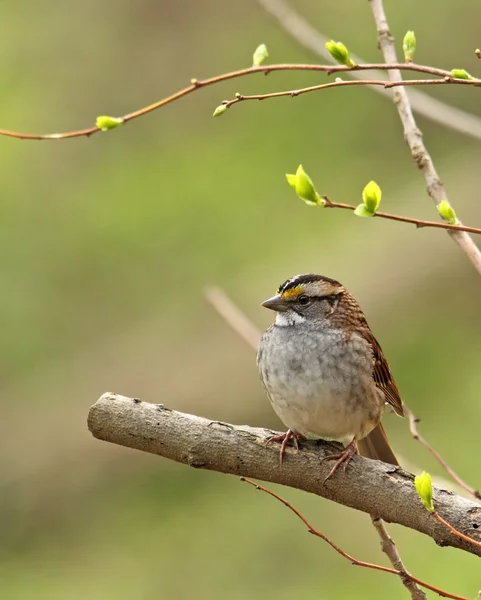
point(303, 299)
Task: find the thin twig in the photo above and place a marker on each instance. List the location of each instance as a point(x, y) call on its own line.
point(313, 40)
point(413, 135)
point(341, 83)
point(445, 76)
point(418, 222)
point(413, 421)
point(453, 530)
point(351, 559)
point(239, 322)
point(233, 316)
point(389, 548)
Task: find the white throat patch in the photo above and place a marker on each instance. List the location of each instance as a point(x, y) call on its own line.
point(285, 319)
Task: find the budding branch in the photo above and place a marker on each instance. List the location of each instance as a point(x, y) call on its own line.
point(443, 77)
point(418, 222)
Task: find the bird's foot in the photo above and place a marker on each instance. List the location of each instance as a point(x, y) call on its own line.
point(284, 438)
point(342, 458)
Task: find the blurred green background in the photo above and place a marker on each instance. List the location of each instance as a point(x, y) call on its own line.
point(107, 244)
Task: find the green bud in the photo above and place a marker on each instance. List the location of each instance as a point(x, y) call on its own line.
point(424, 487)
point(304, 188)
point(260, 55)
point(220, 110)
point(340, 53)
point(409, 46)
point(291, 180)
point(447, 212)
point(461, 74)
point(362, 211)
point(105, 123)
point(478, 52)
point(371, 197)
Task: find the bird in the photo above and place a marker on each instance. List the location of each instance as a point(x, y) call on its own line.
point(324, 372)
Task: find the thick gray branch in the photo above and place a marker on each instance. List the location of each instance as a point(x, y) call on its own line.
point(371, 486)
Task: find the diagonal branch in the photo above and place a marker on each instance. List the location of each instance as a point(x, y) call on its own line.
point(409, 581)
point(389, 548)
point(379, 489)
point(310, 38)
point(413, 135)
point(413, 428)
point(232, 315)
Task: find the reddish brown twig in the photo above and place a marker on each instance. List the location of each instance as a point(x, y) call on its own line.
point(445, 77)
point(418, 222)
point(354, 561)
point(341, 83)
point(452, 529)
point(413, 421)
point(311, 39)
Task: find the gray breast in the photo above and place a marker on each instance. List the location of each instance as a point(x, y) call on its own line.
point(319, 380)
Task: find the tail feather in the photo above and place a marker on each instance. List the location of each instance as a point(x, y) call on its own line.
point(375, 445)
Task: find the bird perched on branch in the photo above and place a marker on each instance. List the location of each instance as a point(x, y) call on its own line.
point(324, 371)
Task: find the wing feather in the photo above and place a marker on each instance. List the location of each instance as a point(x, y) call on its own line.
point(382, 373)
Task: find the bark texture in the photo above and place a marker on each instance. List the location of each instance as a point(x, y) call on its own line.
point(379, 489)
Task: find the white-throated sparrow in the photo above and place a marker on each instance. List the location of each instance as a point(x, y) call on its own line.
point(323, 370)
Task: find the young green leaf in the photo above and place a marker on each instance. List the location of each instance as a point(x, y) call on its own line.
point(340, 53)
point(447, 212)
point(105, 123)
point(220, 110)
point(409, 46)
point(424, 488)
point(304, 188)
point(363, 211)
point(291, 180)
point(371, 196)
point(461, 74)
point(260, 55)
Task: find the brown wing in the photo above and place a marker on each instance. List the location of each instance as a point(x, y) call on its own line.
point(382, 373)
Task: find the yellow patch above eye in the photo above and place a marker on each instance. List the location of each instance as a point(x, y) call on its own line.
point(292, 292)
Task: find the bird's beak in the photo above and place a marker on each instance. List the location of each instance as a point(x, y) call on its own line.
point(276, 303)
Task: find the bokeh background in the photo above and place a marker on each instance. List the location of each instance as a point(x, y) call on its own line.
point(107, 244)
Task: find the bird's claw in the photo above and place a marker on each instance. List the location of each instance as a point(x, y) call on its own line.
point(284, 438)
point(342, 458)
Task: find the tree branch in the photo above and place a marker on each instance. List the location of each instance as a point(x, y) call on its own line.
point(342, 83)
point(413, 135)
point(413, 421)
point(389, 548)
point(411, 583)
point(379, 489)
point(418, 222)
point(196, 84)
point(313, 40)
